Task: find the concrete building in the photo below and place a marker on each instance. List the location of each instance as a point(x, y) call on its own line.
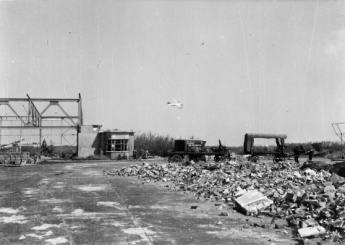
point(116, 143)
point(111, 143)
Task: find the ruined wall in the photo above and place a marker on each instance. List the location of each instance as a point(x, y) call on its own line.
point(88, 141)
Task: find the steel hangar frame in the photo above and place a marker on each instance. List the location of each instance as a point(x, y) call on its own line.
point(38, 120)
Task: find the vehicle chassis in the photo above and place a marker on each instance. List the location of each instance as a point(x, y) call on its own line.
point(180, 156)
point(279, 155)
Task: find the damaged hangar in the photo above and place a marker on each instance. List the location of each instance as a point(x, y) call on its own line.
point(50, 118)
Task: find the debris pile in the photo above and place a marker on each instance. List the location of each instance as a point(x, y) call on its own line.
point(311, 200)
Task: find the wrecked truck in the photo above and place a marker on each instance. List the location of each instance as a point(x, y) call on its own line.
point(187, 150)
point(254, 153)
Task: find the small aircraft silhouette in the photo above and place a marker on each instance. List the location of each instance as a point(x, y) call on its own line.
point(175, 103)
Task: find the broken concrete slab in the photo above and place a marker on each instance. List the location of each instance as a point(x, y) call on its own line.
point(253, 201)
point(311, 231)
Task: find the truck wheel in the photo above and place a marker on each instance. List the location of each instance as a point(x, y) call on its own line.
point(254, 159)
point(176, 158)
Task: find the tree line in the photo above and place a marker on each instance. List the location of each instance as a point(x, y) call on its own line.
point(155, 144)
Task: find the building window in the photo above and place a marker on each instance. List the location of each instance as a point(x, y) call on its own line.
point(117, 145)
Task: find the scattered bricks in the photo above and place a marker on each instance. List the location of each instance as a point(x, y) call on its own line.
point(341, 181)
point(276, 195)
point(322, 204)
point(334, 178)
point(341, 189)
point(253, 201)
point(289, 177)
point(300, 211)
point(277, 181)
point(309, 172)
point(310, 201)
point(294, 222)
point(329, 188)
point(297, 174)
point(279, 223)
point(267, 166)
point(226, 191)
point(282, 213)
point(341, 214)
point(326, 213)
point(265, 212)
point(326, 183)
point(294, 196)
point(259, 225)
point(329, 191)
point(338, 223)
point(273, 220)
point(310, 222)
point(279, 226)
point(311, 231)
point(192, 187)
point(290, 196)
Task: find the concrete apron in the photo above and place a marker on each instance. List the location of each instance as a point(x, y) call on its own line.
point(78, 204)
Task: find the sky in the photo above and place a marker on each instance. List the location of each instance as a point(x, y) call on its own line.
point(237, 66)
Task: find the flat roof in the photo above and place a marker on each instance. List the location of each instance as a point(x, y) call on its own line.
point(115, 131)
point(267, 136)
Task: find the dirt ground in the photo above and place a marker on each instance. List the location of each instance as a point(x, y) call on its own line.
point(76, 203)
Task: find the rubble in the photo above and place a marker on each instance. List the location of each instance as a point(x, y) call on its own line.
point(310, 200)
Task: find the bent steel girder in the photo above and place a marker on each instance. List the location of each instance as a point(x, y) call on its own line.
point(34, 117)
point(339, 129)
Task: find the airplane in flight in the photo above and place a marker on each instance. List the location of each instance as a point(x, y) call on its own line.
point(176, 103)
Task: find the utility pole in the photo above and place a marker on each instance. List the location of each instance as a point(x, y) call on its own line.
point(0, 132)
point(20, 139)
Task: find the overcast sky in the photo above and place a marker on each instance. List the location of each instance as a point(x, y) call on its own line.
point(238, 66)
